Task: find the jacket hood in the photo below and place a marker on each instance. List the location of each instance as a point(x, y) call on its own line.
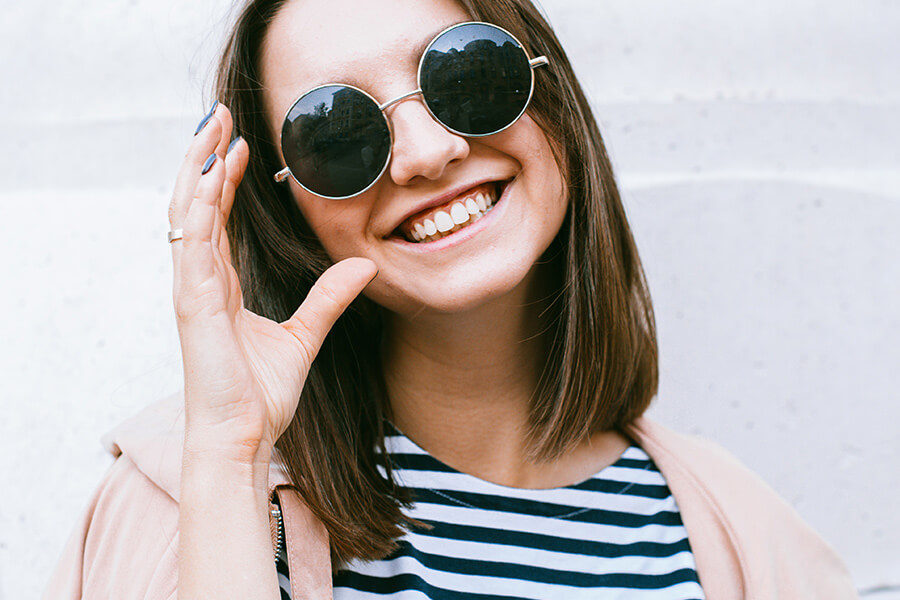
point(153, 439)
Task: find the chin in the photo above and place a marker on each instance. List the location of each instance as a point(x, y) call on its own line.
point(458, 292)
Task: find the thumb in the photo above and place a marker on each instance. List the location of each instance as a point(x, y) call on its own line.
point(329, 296)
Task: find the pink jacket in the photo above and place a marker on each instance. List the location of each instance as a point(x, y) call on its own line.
point(747, 542)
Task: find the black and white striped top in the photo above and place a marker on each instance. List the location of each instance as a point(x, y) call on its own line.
point(617, 534)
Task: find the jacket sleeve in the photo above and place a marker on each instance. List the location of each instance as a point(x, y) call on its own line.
point(123, 545)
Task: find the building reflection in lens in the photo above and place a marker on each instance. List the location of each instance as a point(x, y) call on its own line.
point(476, 79)
point(338, 140)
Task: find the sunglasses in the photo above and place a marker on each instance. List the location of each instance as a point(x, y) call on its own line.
point(475, 78)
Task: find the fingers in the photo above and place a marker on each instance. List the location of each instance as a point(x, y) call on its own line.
point(204, 143)
point(223, 115)
point(236, 161)
point(212, 137)
point(198, 265)
point(329, 297)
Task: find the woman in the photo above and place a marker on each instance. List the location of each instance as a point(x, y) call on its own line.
point(458, 398)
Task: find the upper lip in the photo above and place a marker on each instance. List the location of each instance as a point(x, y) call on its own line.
point(443, 198)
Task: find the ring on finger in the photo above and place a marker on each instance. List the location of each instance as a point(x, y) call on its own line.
point(175, 234)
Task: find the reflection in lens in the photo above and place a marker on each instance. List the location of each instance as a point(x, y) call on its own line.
point(476, 79)
point(335, 140)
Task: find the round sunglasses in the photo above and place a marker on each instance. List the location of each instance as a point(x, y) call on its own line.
point(475, 78)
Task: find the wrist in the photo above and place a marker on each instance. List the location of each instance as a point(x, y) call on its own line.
point(215, 445)
point(216, 465)
point(225, 529)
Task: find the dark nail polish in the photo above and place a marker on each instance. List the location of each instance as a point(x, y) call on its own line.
point(233, 143)
point(206, 119)
point(209, 163)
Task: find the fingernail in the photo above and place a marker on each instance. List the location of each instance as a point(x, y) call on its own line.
point(233, 144)
point(208, 116)
point(209, 163)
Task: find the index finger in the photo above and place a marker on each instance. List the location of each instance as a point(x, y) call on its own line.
point(213, 137)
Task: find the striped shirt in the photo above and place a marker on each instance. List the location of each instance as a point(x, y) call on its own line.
point(617, 534)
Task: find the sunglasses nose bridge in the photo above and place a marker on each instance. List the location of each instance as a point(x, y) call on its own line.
point(389, 103)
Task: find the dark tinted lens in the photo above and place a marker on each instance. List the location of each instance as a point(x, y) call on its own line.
point(476, 79)
point(335, 140)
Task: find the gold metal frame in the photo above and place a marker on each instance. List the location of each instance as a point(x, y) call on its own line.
point(532, 62)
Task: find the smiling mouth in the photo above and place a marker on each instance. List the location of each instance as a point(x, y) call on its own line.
point(440, 221)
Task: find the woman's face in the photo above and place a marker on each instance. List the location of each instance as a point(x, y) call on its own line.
point(376, 46)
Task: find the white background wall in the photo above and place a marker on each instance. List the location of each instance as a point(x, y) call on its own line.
point(757, 147)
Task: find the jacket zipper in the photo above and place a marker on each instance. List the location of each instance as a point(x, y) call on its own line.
point(277, 526)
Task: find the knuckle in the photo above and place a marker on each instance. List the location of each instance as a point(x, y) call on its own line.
point(185, 307)
point(304, 336)
point(329, 295)
point(173, 207)
point(199, 189)
point(192, 234)
point(203, 300)
point(183, 312)
point(308, 346)
point(205, 192)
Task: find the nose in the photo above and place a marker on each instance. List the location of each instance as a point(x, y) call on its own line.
point(422, 146)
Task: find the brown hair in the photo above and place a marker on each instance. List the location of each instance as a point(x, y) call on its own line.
point(601, 367)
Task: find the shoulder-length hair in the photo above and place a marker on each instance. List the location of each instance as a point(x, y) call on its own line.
point(601, 365)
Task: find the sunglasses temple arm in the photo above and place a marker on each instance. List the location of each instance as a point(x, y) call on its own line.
point(282, 174)
point(537, 62)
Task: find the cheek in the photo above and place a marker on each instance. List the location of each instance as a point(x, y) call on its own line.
point(539, 164)
point(528, 143)
point(339, 224)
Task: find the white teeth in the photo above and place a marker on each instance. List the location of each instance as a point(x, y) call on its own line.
point(458, 213)
point(443, 221)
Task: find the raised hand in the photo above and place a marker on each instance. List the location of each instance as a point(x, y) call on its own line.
point(243, 373)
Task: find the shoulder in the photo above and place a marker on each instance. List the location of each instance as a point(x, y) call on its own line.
point(702, 472)
point(124, 543)
point(700, 463)
point(132, 503)
point(725, 504)
point(705, 477)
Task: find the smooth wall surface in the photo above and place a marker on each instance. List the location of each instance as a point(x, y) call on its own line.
point(756, 145)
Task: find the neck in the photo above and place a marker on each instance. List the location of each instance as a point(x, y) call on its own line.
point(460, 386)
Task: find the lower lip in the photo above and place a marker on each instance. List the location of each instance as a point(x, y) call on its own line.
point(460, 235)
